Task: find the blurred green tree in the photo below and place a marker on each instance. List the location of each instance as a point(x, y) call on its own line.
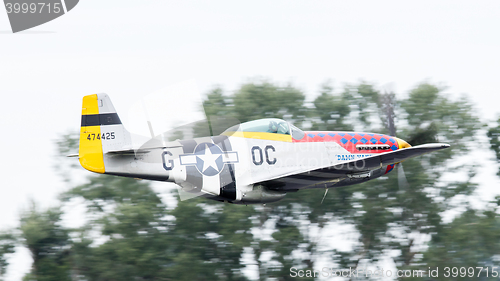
point(387, 213)
point(471, 240)
point(332, 110)
point(125, 239)
point(392, 213)
point(48, 242)
point(494, 139)
point(8, 242)
point(208, 240)
point(262, 99)
point(132, 235)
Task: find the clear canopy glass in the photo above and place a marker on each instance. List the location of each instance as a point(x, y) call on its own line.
point(268, 125)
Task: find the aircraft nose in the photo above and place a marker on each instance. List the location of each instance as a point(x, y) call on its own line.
point(402, 143)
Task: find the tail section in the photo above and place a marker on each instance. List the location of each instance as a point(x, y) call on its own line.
point(101, 131)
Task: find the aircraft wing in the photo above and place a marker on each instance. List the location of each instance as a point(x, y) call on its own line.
point(350, 170)
point(387, 158)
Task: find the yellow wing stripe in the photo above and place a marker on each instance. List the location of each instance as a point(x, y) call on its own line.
point(90, 152)
point(260, 135)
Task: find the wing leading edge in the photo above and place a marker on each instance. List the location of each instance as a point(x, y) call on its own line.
point(387, 158)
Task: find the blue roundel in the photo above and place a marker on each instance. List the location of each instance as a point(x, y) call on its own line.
point(208, 159)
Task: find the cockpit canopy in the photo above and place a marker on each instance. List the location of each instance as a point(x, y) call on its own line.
point(268, 125)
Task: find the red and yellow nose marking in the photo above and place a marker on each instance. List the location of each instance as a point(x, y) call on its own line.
point(402, 143)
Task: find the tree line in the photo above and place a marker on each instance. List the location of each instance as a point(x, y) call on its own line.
point(131, 234)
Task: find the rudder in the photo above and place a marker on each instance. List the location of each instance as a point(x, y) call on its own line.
point(101, 131)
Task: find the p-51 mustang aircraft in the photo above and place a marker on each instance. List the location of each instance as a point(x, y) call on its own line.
point(253, 162)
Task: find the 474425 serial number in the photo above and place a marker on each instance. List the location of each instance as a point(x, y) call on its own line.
point(103, 136)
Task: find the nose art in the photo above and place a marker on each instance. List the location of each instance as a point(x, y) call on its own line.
point(402, 143)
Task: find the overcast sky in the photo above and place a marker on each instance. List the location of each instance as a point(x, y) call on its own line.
point(128, 49)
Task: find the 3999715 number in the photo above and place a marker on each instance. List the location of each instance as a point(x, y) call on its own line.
point(103, 136)
point(33, 8)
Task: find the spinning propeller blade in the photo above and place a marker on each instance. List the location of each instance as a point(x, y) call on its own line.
point(388, 102)
point(175, 112)
point(402, 181)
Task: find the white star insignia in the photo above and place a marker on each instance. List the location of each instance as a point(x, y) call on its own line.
point(209, 159)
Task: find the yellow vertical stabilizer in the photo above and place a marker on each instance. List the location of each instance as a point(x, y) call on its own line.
point(90, 153)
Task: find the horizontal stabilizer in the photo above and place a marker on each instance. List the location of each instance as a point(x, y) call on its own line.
point(128, 152)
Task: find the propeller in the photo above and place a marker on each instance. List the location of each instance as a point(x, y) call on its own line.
point(388, 104)
point(402, 181)
point(177, 119)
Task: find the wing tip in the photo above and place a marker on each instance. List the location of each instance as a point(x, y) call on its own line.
point(444, 145)
point(436, 146)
